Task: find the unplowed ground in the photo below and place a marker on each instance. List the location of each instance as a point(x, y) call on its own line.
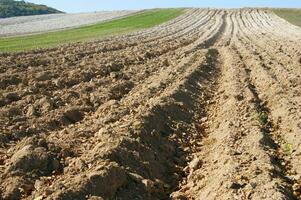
point(206, 106)
point(25, 25)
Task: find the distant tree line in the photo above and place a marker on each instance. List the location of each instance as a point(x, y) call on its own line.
point(11, 8)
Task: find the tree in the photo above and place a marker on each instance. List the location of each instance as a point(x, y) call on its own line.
point(11, 8)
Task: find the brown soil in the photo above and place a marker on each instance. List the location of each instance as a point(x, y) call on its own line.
point(206, 106)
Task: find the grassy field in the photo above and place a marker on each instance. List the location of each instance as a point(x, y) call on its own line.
point(291, 15)
point(135, 22)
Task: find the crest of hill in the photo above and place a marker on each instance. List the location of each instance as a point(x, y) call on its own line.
point(292, 15)
point(12, 8)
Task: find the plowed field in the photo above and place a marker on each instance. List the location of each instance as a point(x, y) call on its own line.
point(206, 106)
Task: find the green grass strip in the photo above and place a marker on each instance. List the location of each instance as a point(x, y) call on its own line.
point(291, 15)
point(134, 22)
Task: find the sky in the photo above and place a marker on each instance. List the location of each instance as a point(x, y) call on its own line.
point(98, 5)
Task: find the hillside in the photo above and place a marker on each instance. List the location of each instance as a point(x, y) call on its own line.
point(11, 8)
point(133, 22)
point(291, 15)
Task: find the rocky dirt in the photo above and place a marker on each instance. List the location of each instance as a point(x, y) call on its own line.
point(206, 106)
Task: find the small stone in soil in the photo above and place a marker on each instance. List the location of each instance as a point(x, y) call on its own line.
point(236, 186)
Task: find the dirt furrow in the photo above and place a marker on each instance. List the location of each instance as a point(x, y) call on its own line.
point(121, 42)
point(234, 160)
point(148, 177)
point(104, 58)
point(206, 106)
point(284, 113)
point(116, 69)
point(283, 70)
point(280, 102)
point(133, 101)
point(58, 146)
